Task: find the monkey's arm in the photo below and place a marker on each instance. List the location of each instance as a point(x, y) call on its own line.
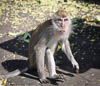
point(67, 50)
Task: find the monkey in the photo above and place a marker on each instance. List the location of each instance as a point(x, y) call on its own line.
point(43, 43)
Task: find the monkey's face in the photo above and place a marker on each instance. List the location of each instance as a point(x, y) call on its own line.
point(61, 20)
point(61, 24)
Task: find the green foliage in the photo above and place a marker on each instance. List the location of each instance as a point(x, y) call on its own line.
point(92, 40)
point(74, 22)
point(39, 1)
point(26, 37)
point(65, 0)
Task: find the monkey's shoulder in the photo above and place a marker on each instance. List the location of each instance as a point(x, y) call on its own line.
point(45, 24)
point(39, 35)
point(42, 27)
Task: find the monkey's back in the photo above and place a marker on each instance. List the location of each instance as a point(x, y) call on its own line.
point(39, 37)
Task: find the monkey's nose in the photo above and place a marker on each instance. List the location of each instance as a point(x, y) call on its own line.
point(62, 25)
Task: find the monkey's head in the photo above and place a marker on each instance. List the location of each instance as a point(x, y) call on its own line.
point(61, 20)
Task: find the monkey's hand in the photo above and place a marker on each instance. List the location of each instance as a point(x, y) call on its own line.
point(76, 66)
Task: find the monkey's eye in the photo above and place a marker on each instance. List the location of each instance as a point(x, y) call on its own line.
point(65, 19)
point(59, 20)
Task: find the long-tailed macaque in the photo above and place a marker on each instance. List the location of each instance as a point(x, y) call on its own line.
point(43, 43)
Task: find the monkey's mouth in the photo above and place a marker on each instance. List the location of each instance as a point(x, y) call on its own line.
point(62, 30)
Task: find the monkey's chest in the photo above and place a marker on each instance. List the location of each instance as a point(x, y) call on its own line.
point(55, 39)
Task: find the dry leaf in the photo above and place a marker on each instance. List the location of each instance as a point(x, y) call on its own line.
point(3, 82)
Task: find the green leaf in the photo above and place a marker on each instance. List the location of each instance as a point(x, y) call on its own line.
point(86, 4)
point(97, 19)
point(58, 47)
point(25, 37)
point(65, 0)
point(38, 1)
point(74, 20)
point(74, 25)
point(27, 41)
point(92, 40)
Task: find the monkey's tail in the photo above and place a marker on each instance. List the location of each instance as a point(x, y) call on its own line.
point(14, 73)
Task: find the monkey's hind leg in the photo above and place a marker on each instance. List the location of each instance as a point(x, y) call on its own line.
point(51, 66)
point(40, 54)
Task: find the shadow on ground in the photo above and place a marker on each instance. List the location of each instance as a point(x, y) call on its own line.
point(85, 44)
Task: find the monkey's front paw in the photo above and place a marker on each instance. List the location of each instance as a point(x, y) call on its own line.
point(76, 66)
point(44, 81)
